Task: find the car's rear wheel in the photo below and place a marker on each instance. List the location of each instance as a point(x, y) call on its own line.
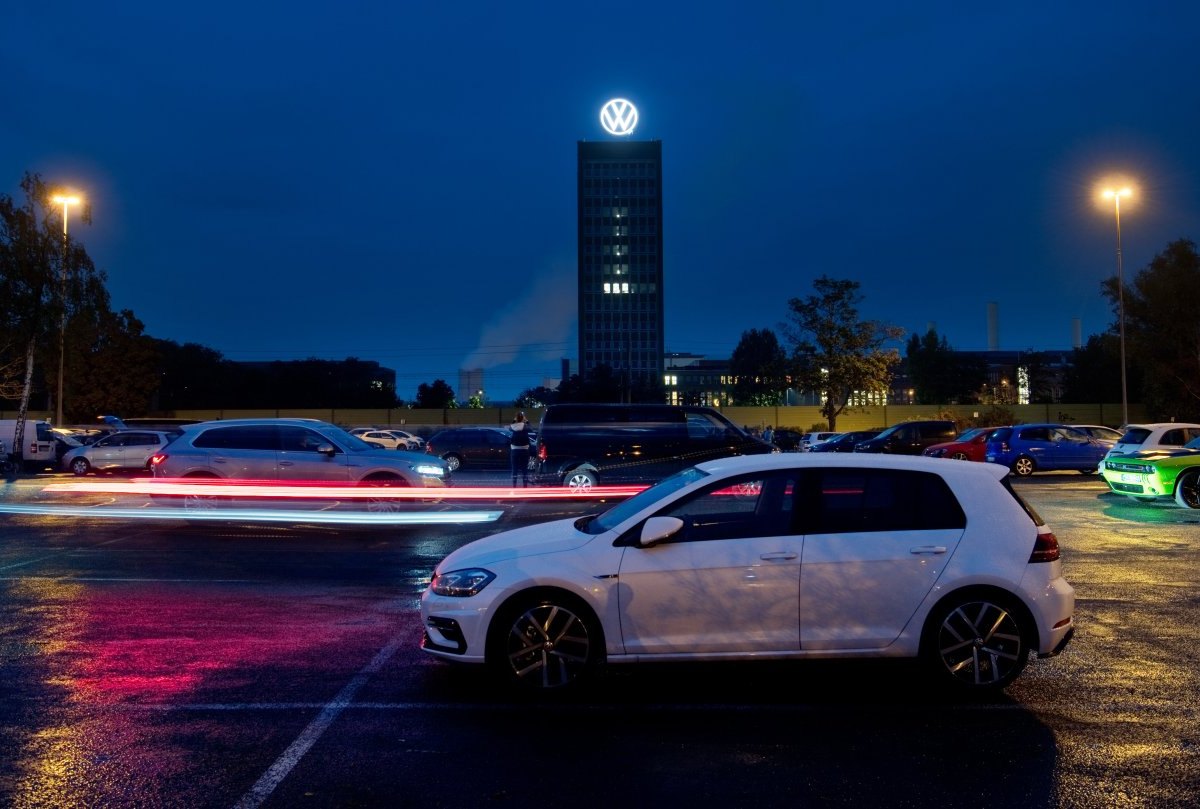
point(199, 503)
point(545, 643)
point(453, 462)
point(80, 466)
point(580, 480)
point(1024, 466)
point(977, 641)
point(1187, 489)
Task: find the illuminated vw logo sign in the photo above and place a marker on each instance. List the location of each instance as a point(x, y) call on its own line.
point(619, 117)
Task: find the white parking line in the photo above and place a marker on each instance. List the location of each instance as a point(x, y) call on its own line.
point(308, 737)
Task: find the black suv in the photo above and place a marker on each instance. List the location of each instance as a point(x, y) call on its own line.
point(583, 445)
point(471, 447)
point(910, 437)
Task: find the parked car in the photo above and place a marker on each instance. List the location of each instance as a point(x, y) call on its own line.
point(1099, 431)
point(970, 446)
point(810, 440)
point(471, 448)
point(584, 445)
point(1152, 436)
point(384, 438)
point(910, 437)
point(1029, 448)
point(865, 556)
point(787, 440)
point(290, 450)
point(414, 442)
point(120, 451)
point(1162, 472)
point(846, 442)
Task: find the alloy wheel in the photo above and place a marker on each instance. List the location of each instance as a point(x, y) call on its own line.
point(979, 643)
point(1187, 490)
point(548, 646)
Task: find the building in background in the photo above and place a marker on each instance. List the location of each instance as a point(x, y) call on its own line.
point(621, 260)
point(470, 383)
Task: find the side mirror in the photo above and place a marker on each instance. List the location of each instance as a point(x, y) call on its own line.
point(326, 449)
point(658, 529)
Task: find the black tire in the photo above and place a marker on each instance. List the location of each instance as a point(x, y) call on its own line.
point(1023, 466)
point(1187, 489)
point(580, 480)
point(1091, 471)
point(453, 462)
point(80, 467)
point(385, 505)
point(201, 503)
point(977, 641)
point(546, 642)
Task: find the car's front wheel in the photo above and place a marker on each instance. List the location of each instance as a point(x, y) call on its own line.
point(80, 466)
point(453, 462)
point(1187, 489)
point(545, 643)
point(976, 641)
point(580, 480)
point(1023, 466)
point(385, 505)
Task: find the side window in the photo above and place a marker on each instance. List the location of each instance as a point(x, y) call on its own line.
point(843, 501)
point(750, 506)
point(300, 439)
point(249, 437)
point(701, 426)
point(1174, 438)
point(1035, 434)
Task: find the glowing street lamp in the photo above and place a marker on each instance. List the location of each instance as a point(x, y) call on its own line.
point(1115, 195)
point(66, 201)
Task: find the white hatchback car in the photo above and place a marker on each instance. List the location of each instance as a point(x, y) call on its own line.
point(767, 556)
point(1152, 436)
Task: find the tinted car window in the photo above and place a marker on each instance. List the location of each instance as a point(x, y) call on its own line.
point(300, 439)
point(856, 500)
point(250, 437)
point(1174, 438)
point(1135, 436)
point(751, 506)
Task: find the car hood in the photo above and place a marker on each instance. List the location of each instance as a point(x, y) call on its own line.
point(1161, 453)
point(532, 540)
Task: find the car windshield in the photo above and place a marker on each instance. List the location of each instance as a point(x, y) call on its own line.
point(1193, 444)
point(339, 436)
point(971, 433)
point(647, 497)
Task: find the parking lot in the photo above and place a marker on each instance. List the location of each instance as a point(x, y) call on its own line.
point(158, 663)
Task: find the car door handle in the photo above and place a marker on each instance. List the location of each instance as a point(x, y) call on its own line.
point(779, 556)
point(286, 463)
point(928, 549)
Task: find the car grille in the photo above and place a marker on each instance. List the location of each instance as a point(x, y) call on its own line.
point(1129, 466)
point(1126, 488)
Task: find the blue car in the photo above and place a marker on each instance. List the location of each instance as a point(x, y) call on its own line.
point(1029, 448)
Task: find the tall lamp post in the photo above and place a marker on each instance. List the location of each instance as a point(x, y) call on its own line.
point(1115, 195)
point(66, 201)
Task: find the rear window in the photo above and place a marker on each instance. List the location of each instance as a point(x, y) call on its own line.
point(1137, 435)
point(1033, 515)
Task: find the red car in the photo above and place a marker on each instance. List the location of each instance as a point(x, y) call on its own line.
point(970, 446)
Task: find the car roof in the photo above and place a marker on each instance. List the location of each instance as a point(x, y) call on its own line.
point(940, 466)
point(255, 422)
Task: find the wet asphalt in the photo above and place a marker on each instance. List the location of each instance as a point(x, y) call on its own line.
point(150, 662)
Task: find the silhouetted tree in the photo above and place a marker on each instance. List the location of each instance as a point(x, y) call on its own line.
point(438, 395)
point(759, 368)
point(939, 374)
point(833, 352)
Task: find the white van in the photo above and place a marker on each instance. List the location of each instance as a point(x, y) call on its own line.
point(40, 447)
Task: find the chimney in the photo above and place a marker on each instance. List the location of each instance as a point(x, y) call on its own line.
point(1076, 333)
point(993, 326)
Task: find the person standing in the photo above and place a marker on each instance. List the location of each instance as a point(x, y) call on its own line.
point(769, 434)
point(518, 449)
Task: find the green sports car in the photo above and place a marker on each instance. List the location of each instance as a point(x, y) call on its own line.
point(1153, 473)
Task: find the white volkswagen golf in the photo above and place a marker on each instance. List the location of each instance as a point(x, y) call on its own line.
point(767, 556)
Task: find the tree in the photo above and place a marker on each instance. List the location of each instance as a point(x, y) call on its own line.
point(43, 279)
point(535, 398)
point(1094, 374)
point(939, 374)
point(1162, 330)
point(759, 368)
point(836, 354)
point(438, 396)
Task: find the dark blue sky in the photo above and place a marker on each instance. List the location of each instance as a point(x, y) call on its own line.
point(396, 181)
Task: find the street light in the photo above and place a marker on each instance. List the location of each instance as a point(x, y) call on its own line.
point(66, 201)
point(1115, 195)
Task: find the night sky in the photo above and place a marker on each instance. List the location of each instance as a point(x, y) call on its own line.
point(396, 181)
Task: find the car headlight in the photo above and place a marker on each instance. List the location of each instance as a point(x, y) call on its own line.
point(461, 583)
point(429, 469)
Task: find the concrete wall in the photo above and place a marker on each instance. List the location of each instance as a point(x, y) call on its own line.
point(800, 418)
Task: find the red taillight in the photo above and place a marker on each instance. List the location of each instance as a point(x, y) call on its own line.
point(157, 458)
point(1045, 548)
point(541, 453)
